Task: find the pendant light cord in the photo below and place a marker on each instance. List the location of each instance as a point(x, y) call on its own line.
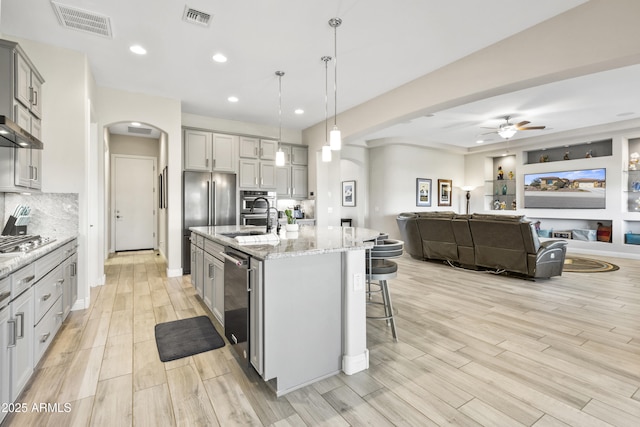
point(280, 74)
point(335, 74)
point(326, 59)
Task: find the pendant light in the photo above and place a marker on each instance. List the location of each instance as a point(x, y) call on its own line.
point(326, 148)
point(335, 139)
point(280, 160)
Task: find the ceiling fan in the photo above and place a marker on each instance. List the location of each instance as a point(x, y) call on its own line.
point(507, 130)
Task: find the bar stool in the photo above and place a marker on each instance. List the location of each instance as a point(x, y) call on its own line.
point(379, 268)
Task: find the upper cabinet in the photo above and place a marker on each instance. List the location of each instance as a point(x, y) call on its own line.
point(291, 179)
point(21, 101)
point(210, 152)
point(255, 148)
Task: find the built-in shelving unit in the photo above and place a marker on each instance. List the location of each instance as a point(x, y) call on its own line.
point(501, 190)
point(583, 150)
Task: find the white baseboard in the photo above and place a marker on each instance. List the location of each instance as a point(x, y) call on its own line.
point(174, 272)
point(354, 364)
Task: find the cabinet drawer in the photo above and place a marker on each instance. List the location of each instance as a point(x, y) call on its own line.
point(5, 292)
point(213, 248)
point(49, 262)
point(47, 329)
point(69, 249)
point(47, 292)
point(197, 240)
point(22, 279)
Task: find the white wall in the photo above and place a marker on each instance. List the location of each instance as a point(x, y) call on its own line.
point(393, 170)
point(354, 166)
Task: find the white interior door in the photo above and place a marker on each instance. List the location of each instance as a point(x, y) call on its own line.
point(134, 203)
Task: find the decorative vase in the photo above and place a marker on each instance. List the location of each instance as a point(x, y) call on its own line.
point(292, 227)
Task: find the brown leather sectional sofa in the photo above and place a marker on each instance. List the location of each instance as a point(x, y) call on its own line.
point(481, 241)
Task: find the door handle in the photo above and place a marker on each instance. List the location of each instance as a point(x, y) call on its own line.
point(21, 334)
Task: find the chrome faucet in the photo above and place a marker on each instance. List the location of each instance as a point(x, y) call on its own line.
point(268, 211)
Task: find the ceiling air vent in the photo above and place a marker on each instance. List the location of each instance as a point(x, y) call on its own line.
point(139, 130)
point(196, 17)
point(82, 20)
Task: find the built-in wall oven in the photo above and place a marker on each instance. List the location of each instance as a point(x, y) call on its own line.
point(253, 208)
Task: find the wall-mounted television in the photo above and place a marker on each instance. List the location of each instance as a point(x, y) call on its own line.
point(573, 189)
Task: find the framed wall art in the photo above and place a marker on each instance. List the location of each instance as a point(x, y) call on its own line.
point(423, 192)
point(348, 193)
point(444, 192)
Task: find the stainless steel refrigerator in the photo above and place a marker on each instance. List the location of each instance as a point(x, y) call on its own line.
point(207, 199)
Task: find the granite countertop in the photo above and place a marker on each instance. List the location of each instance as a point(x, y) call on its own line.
point(15, 261)
point(309, 240)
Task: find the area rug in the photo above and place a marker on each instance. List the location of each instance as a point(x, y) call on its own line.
point(186, 337)
point(587, 265)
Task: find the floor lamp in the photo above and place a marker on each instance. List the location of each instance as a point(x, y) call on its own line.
point(468, 189)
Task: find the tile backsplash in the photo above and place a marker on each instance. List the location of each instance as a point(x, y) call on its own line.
point(53, 215)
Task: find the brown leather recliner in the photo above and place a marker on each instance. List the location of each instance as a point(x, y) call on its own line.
point(497, 242)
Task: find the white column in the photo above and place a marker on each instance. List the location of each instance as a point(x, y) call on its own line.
point(356, 355)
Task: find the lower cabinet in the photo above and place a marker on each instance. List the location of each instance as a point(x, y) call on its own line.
point(5, 353)
point(256, 315)
point(29, 323)
point(196, 269)
point(21, 333)
point(213, 272)
point(70, 294)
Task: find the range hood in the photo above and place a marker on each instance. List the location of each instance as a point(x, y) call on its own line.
point(12, 135)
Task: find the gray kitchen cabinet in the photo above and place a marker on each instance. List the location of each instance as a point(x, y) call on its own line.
point(210, 152)
point(299, 155)
point(255, 148)
point(214, 279)
point(292, 182)
point(22, 342)
point(197, 260)
point(257, 174)
point(256, 325)
point(283, 182)
point(70, 294)
point(21, 101)
point(5, 354)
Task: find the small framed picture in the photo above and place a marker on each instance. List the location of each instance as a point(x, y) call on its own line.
point(423, 192)
point(348, 193)
point(444, 192)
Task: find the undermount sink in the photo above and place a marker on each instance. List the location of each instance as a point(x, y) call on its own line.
point(233, 234)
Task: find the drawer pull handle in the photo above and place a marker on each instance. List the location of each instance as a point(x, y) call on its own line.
point(59, 281)
point(46, 297)
point(27, 279)
point(14, 332)
point(60, 313)
point(45, 337)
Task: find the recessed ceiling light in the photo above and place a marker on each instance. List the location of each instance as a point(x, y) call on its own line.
point(480, 141)
point(299, 111)
point(233, 99)
point(218, 57)
point(136, 124)
point(138, 50)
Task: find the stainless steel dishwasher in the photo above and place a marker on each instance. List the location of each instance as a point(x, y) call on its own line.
point(237, 285)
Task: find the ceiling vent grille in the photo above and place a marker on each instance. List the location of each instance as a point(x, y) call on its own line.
point(196, 17)
point(139, 130)
point(82, 20)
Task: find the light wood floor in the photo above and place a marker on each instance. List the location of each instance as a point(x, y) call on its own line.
point(474, 349)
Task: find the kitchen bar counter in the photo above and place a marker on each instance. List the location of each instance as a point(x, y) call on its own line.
point(14, 261)
point(307, 309)
point(309, 240)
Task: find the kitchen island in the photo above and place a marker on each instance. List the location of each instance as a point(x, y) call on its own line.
point(307, 318)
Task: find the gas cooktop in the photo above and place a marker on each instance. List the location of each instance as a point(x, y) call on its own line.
point(24, 243)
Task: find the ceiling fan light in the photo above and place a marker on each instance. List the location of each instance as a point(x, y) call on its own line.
point(326, 153)
point(507, 132)
point(280, 161)
point(335, 139)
